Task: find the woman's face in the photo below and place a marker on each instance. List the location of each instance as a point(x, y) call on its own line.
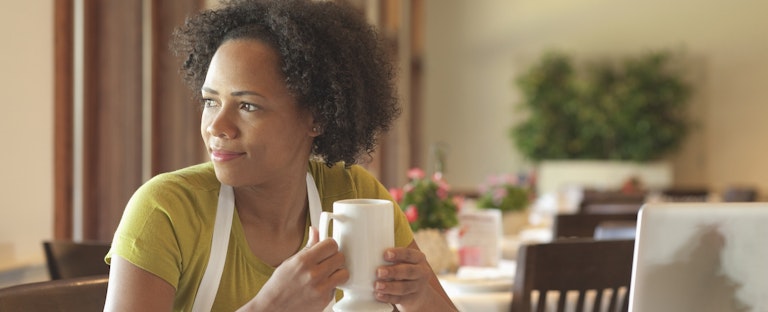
point(252, 126)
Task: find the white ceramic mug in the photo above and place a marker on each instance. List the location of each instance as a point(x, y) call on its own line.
point(363, 228)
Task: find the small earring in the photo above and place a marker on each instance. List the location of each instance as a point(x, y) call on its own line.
point(314, 129)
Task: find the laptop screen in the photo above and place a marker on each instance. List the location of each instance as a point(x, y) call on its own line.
point(701, 257)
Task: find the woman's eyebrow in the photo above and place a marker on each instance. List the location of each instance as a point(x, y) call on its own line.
point(241, 93)
point(209, 90)
point(236, 93)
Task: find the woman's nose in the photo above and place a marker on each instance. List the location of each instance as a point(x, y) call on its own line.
point(221, 125)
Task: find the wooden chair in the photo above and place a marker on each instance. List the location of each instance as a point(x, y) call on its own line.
point(585, 225)
point(617, 208)
point(611, 202)
point(739, 194)
point(685, 194)
point(599, 271)
point(68, 259)
point(617, 229)
point(82, 294)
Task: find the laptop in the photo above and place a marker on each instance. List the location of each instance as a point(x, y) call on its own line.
point(702, 257)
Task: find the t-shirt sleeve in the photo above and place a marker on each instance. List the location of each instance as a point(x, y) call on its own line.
point(146, 236)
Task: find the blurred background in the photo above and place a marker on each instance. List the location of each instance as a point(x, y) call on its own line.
point(458, 59)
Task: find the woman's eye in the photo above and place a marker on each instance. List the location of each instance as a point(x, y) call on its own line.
point(209, 103)
point(248, 107)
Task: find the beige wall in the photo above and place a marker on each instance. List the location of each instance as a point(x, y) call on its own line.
point(474, 49)
point(26, 128)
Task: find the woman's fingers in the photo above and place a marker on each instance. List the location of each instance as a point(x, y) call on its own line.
point(327, 262)
point(402, 272)
point(406, 255)
point(319, 251)
point(400, 287)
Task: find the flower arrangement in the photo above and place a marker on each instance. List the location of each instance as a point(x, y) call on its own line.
point(506, 192)
point(426, 201)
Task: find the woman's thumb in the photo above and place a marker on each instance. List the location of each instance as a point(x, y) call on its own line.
point(312, 240)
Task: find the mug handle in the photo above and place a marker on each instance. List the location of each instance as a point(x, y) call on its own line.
point(325, 218)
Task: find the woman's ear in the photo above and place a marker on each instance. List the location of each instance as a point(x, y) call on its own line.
point(314, 126)
point(316, 130)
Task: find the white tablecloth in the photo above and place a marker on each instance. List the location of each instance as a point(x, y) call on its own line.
point(501, 301)
point(482, 302)
point(496, 295)
point(476, 289)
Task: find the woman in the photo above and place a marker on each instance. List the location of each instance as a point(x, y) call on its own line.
point(292, 93)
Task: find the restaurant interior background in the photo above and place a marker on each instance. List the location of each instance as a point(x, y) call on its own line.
point(472, 50)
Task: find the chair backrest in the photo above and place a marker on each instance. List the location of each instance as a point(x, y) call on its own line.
point(685, 194)
point(616, 208)
point(584, 272)
point(616, 230)
point(68, 259)
point(740, 194)
point(611, 202)
point(82, 294)
point(585, 224)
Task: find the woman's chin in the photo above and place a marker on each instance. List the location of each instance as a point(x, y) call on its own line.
point(227, 177)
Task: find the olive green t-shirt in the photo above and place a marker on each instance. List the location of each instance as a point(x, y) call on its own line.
point(167, 226)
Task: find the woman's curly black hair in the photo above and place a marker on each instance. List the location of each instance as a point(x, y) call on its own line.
point(333, 60)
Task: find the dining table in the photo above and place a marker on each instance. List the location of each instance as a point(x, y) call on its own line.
point(485, 302)
point(481, 289)
point(489, 288)
point(494, 294)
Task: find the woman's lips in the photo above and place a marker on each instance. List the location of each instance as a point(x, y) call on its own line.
point(220, 155)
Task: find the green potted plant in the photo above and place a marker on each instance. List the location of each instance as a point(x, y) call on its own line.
point(633, 110)
point(506, 192)
point(426, 201)
point(511, 194)
point(431, 212)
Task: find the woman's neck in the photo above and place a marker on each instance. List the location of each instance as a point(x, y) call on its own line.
point(280, 206)
point(274, 219)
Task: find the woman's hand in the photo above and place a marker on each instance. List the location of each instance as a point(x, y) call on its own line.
point(304, 282)
point(409, 282)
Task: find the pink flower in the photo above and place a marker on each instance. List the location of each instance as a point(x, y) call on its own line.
point(510, 179)
point(397, 194)
point(415, 173)
point(411, 213)
point(458, 201)
point(407, 188)
point(499, 194)
point(442, 184)
point(442, 193)
point(442, 189)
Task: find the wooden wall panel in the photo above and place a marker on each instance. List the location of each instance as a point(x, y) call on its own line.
point(113, 41)
point(176, 141)
point(62, 137)
point(112, 112)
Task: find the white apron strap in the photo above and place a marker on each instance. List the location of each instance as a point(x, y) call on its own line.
point(222, 227)
point(209, 285)
point(315, 207)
